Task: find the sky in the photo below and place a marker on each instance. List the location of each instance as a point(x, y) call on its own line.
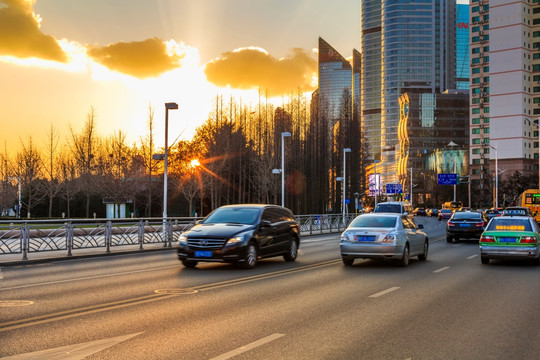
point(60, 58)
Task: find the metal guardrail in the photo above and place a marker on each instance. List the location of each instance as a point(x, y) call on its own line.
point(32, 236)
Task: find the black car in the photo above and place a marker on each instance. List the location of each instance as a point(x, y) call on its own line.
point(465, 225)
point(420, 211)
point(241, 234)
point(491, 213)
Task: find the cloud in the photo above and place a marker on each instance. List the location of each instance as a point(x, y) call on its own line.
point(249, 68)
point(142, 59)
point(20, 34)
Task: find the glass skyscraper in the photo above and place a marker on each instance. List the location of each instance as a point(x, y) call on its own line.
point(335, 77)
point(462, 46)
point(406, 47)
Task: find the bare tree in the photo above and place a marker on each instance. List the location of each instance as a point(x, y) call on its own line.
point(147, 150)
point(83, 148)
point(29, 168)
point(67, 180)
point(51, 167)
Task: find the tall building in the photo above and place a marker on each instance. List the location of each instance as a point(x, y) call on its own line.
point(335, 78)
point(462, 46)
point(505, 90)
point(406, 47)
point(428, 124)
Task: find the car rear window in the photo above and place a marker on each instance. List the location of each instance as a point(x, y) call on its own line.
point(390, 208)
point(374, 222)
point(247, 216)
point(508, 224)
point(467, 216)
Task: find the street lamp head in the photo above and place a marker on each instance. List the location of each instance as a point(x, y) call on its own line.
point(347, 150)
point(171, 106)
point(276, 171)
point(339, 178)
point(285, 134)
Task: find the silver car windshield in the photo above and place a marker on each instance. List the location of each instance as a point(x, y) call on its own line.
point(374, 222)
point(247, 216)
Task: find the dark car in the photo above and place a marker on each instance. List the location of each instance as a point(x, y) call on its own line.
point(444, 214)
point(420, 211)
point(433, 212)
point(465, 225)
point(491, 213)
point(241, 234)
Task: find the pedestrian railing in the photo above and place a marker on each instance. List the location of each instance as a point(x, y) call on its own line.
point(33, 236)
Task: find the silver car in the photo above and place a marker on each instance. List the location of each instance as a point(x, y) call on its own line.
point(383, 236)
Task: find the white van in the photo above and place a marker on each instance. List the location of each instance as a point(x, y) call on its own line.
point(396, 207)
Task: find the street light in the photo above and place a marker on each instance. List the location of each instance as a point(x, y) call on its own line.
point(345, 151)
point(376, 181)
point(494, 147)
point(536, 123)
point(168, 106)
point(452, 144)
point(282, 170)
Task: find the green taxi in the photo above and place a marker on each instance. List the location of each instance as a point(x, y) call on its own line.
point(512, 238)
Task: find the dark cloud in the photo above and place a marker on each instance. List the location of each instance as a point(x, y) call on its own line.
point(141, 59)
point(20, 35)
point(254, 68)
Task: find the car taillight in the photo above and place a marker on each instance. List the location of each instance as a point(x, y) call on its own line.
point(480, 224)
point(451, 223)
point(487, 238)
point(528, 240)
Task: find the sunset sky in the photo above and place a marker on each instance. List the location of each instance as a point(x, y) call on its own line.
point(58, 58)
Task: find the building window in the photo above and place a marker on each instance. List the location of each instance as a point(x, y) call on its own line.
point(486, 130)
point(476, 141)
point(476, 111)
point(476, 131)
point(476, 121)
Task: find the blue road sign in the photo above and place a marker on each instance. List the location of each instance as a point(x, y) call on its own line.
point(447, 179)
point(394, 188)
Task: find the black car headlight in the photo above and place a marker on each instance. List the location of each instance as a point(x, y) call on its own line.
point(234, 241)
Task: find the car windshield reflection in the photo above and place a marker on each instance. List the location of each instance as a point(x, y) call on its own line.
point(243, 216)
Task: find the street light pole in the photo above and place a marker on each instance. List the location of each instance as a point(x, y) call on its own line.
point(452, 144)
point(283, 135)
point(168, 106)
point(376, 181)
point(345, 151)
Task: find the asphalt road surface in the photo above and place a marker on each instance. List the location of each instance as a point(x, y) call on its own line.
point(148, 306)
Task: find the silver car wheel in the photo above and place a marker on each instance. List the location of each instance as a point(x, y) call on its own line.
point(405, 258)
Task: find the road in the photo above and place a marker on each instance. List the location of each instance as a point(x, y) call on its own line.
point(147, 306)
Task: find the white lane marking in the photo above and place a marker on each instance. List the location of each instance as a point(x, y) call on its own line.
point(73, 352)
point(88, 278)
point(471, 257)
point(384, 292)
point(442, 269)
point(243, 349)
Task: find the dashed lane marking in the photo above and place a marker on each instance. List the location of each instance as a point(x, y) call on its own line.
point(441, 269)
point(250, 346)
point(384, 292)
point(471, 257)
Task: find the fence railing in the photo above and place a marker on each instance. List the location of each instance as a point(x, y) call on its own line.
point(32, 236)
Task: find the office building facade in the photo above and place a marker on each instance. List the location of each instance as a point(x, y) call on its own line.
point(406, 47)
point(505, 89)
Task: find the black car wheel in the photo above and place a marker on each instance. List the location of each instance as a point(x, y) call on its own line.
point(484, 260)
point(250, 260)
point(404, 261)
point(292, 253)
point(189, 263)
point(347, 261)
point(423, 256)
point(449, 239)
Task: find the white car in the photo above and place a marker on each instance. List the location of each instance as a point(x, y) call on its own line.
point(383, 236)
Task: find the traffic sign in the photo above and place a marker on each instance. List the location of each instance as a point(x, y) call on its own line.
point(447, 179)
point(394, 188)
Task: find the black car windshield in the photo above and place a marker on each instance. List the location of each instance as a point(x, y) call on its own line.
point(374, 222)
point(509, 224)
point(467, 216)
point(390, 208)
point(247, 216)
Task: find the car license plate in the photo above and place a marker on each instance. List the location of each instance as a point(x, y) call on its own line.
point(465, 225)
point(507, 239)
point(365, 238)
point(203, 254)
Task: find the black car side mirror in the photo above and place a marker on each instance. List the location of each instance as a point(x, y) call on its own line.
point(266, 223)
